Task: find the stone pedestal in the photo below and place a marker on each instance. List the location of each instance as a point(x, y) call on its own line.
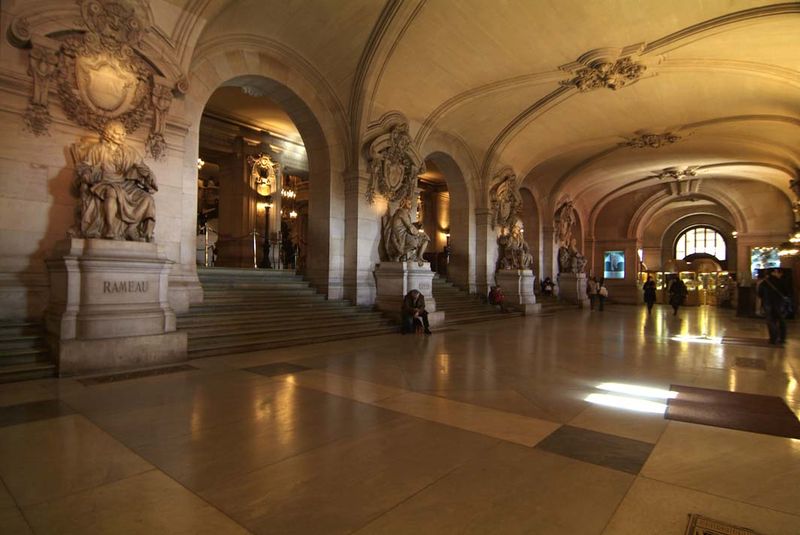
point(393, 280)
point(572, 288)
point(109, 307)
point(517, 286)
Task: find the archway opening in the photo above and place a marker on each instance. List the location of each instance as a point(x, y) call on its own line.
point(433, 213)
point(253, 178)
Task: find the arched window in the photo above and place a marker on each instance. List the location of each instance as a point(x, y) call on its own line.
point(700, 240)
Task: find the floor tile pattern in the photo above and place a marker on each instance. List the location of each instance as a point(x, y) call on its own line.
point(138, 374)
point(277, 368)
point(531, 425)
point(33, 411)
point(746, 362)
point(734, 410)
point(601, 449)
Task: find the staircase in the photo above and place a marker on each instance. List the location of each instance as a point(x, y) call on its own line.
point(460, 307)
point(551, 305)
point(23, 352)
point(247, 310)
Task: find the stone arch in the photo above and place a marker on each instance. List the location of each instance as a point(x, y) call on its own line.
point(456, 163)
point(531, 219)
point(289, 81)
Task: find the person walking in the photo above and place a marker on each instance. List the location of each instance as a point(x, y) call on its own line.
point(649, 289)
point(591, 291)
point(776, 305)
point(677, 294)
point(602, 293)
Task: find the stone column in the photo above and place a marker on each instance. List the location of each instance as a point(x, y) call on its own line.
point(548, 268)
point(362, 223)
point(485, 250)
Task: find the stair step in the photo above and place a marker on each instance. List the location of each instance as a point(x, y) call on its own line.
point(256, 330)
point(27, 371)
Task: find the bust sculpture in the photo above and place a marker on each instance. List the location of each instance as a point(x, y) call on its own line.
point(402, 240)
point(115, 187)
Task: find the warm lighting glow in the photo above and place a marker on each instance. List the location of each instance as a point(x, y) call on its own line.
point(695, 339)
point(627, 403)
point(288, 193)
point(639, 391)
point(293, 214)
point(200, 163)
point(735, 234)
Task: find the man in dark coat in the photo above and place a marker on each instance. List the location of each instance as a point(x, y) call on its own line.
point(776, 304)
point(413, 308)
point(649, 293)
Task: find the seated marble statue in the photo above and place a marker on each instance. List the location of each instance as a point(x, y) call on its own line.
point(570, 260)
point(116, 188)
point(514, 251)
point(403, 241)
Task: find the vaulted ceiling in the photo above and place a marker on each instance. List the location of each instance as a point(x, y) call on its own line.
point(722, 77)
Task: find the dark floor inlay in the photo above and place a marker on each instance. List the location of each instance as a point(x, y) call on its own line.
point(746, 362)
point(768, 415)
point(277, 368)
point(610, 451)
point(31, 412)
point(113, 378)
point(700, 525)
point(746, 341)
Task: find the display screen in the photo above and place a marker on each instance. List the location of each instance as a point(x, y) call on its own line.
point(614, 265)
point(763, 258)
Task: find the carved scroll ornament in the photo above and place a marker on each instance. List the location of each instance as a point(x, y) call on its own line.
point(506, 201)
point(99, 73)
point(394, 165)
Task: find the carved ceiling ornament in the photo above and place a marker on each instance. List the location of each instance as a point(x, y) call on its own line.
point(676, 173)
point(394, 162)
point(610, 68)
point(505, 199)
point(651, 141)
point(99, 72)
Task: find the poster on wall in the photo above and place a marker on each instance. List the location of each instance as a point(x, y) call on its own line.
point(614, 265)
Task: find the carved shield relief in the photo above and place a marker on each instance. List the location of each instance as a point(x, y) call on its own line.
point(105, 86)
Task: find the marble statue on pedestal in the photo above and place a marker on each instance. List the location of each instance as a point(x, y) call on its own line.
point(514, 251)
point(402, 240)
point(115, 187)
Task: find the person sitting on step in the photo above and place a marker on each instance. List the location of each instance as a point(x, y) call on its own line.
point(413, 311)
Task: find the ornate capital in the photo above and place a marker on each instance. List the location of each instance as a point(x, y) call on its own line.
point(393, 160)
point(651, 141)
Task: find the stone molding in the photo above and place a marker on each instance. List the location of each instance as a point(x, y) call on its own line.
point(607, 68)
point(677, 173)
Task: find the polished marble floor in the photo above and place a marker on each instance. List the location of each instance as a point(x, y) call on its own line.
point(530, 425)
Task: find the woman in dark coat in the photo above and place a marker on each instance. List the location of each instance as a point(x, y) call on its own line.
point(649, 293)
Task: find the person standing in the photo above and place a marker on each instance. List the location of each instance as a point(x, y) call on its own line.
point(602, 293)
point(776, 304)
point(677, 294)
point(649, 289)
point(591, 291)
